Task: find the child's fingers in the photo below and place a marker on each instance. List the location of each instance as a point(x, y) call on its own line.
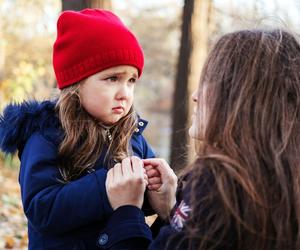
point(154, 187)
point(148, 167)
point(145, 175)
point(138, 169)
point(137, 166)
point(117, 172)
point(151, 161)
point(153, 173)
point(154, 180)
point(146, 179)
point(154, 183)
point(162, 166)
point(126, 167)
point(127, 162)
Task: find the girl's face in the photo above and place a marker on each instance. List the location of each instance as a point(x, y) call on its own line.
point(108, 94)
point(200, 114)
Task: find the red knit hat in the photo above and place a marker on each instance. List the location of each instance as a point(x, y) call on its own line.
point(90, 41)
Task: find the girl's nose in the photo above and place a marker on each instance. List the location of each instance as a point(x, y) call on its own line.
point(123, 92)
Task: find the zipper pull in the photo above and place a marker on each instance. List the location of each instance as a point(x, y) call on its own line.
point(109, 136)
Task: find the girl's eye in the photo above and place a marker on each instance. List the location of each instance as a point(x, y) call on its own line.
point(132, 80)
point(112, 79)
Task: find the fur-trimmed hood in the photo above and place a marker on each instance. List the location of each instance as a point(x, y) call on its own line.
point(19, 121)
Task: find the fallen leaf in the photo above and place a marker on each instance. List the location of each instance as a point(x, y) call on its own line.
point(9, 242)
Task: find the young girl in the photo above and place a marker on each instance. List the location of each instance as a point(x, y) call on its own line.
point(243, 190)
point(67, 146)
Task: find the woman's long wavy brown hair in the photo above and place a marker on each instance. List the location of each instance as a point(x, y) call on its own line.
point(85, 139)
point(251, 145)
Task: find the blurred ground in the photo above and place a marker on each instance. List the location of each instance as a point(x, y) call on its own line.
point(13, 224)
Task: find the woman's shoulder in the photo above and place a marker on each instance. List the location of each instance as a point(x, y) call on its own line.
point(20, 121)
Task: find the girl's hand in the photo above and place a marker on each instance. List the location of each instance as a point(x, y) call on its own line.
point(163, 199)
point(154, 178)
point(126, 183)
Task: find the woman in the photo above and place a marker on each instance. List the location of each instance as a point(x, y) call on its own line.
point(243, 189)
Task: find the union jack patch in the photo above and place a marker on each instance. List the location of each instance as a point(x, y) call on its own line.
point(181, 214)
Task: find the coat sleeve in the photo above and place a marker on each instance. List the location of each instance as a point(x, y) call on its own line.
point(52, 206)
point(126, 229)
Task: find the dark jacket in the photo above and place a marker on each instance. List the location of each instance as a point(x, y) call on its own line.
point(60, 216)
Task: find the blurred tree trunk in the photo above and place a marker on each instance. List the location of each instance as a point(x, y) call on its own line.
point(82, 4)
point(73, 4)
point(195, 30)
point(103, 4)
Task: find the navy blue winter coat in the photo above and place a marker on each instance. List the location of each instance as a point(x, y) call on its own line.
point(60, 216)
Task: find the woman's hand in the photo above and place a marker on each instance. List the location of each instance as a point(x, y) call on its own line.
point(163, 198)
point(126, 183)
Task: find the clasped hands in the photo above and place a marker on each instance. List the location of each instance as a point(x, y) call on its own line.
point(127, 182)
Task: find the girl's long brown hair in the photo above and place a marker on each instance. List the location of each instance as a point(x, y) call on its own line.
point(85, 139)
point(251, 145)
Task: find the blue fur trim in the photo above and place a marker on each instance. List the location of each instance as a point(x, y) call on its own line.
point(20, 121)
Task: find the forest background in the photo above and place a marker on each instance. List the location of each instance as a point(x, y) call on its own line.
point(176, 36)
